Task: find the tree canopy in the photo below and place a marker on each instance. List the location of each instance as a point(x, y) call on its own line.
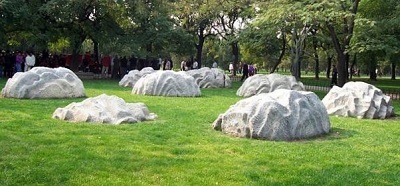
point(288, 33)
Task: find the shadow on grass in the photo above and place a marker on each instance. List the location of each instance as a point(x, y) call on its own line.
point(336, 134)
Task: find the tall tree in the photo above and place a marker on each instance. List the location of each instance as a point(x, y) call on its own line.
point(378, 32)
point(339, 18)
point(232, 17)
point(292, 21)
point(196, 18)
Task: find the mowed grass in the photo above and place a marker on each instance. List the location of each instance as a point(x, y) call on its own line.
point(181, 148)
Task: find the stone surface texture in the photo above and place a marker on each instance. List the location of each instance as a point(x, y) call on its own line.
point(43, 82)
point(104, 109)
point(358, 99)
point(279, 115)
point(210, 78)
point(167, 83)
point(130, 79)
point(259, 83)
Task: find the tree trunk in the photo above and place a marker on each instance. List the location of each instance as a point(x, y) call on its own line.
point(235, 52)
point(354, 61)
point(316, 57)
point(283, 50)
point(199, 53)
point(328, 69)
point(96, 51)
point(340, 47)
point(199, 46)
point(296, 57)
point(74, 67)
point(341, 66)
point(372, 67)
point(393, 71)
point(341, 56)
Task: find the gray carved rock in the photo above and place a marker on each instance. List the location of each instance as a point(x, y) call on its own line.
point(210, 78)
point(358, 99)
point(167, 83)
point(130, 79)
point(279, 115)
point(104, 109)
point(43, 82)
point(259, 83)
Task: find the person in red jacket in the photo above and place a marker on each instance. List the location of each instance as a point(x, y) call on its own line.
point(106, 63)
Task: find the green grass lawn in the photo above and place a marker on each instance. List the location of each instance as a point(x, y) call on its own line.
point(181, 148)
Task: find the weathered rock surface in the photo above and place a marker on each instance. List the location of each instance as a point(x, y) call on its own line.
point(104, 109)
point(43, 82)
point(279, 115)
point(167, 83)
point(130, 79)
point(358, 99)
point(259, 83)
point(210, 78)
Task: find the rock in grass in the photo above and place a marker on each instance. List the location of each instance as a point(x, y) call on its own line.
point(167, 83)
point(104, 109)
point(130, 79)
point(43, 82)
point(210, 78)
point(358, 99)
point(279, 115)
point(259, 83)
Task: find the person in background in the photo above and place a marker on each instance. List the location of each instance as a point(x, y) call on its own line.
point(19, 60)
point(30, 61)
point(251, 69)
point(9, 61)
point(230, 68)
point(195, 64)
point(123, 66)
point(167, 64)
point(214, 65)
point(106, 63)
point(2, 62)
point(334, 76)
point(115, 67)
point(245, 71)
point(183, 65)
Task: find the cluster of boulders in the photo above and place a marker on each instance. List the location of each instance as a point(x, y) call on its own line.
point(275, 107)
point(358, 99)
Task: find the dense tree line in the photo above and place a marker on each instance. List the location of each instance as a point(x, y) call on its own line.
point(308, 35)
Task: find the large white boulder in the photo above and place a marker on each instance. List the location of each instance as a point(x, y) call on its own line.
point(210, 78)
point(104, 109)
point(167, 83)
point(130, 79)
point(358, 99)
point(279, 115)
point(43, 82)
point(259, 83)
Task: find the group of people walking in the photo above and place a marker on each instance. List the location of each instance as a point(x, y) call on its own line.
point(244, 68)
